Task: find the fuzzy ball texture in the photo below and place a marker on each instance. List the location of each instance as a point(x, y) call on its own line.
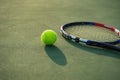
point(48, 37)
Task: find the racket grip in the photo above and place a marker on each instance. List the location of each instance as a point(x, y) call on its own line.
point(103, 45)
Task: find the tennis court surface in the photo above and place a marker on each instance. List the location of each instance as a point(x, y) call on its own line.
point(24, 57)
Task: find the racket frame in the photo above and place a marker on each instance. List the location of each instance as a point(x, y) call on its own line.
point(108, 45)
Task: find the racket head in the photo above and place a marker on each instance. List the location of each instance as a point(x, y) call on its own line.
point(90, 25)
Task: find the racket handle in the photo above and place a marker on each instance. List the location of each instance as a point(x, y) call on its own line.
point(103, 45)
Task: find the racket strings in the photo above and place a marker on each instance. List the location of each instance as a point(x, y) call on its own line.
point(93, 33)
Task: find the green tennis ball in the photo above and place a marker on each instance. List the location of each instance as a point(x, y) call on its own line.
point(48, 37)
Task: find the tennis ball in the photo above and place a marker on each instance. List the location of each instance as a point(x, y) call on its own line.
point(48, 37)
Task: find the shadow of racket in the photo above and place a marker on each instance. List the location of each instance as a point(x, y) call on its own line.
point(105, 52)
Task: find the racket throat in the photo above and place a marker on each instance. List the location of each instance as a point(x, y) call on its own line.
point(102, 45)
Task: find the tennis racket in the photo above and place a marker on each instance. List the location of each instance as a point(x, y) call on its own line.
point(92, 34)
